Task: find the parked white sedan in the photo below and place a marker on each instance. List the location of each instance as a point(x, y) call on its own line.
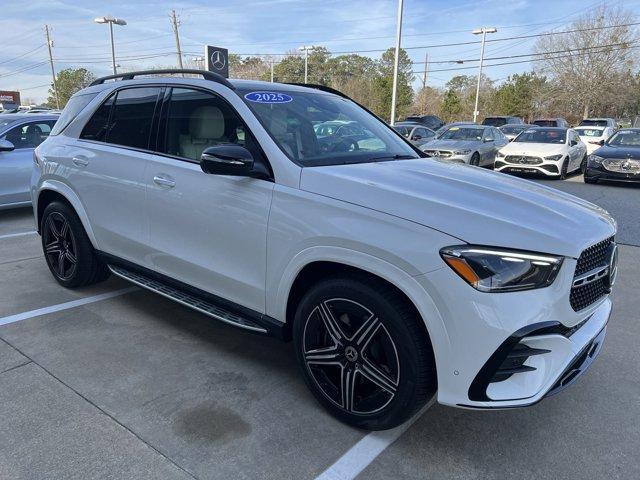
point(594, 137)
point(553, 152)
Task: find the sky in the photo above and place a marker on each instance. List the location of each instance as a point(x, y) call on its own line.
point(270, 27)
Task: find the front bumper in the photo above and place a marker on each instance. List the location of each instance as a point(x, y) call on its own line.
point(598, 172)
point(473, 367)
point(547, 168)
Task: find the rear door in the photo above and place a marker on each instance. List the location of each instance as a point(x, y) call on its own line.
point(107, 170)
point(208, 231)
point(16, 165)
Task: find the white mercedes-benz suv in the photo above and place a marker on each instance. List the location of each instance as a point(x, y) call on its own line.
point(397, 277)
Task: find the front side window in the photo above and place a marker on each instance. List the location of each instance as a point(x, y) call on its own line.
point(296, 121)
point(30, 135)
point(197, 120)
point(542, 135)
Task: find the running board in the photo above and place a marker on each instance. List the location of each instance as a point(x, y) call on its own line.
point(186, 299)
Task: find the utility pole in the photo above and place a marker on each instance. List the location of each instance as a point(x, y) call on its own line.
point(396, 63)
point(175, 23)
point(306, 49)
point(271, 63)
point(481, 31)
point(426, 70)
point(53, 71)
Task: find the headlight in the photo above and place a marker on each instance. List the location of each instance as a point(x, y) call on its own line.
point(595, 159)
point(462, 152)
point(500, 155)
point(554, 158)
point(501, 270)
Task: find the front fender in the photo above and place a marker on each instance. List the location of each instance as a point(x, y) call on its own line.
point(408, 284)
point(70, 195)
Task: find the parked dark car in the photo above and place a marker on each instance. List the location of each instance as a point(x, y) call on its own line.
point(511, 131)
point(499, 121)
point(551, 122)
point(617, 160)
point(415, 132)
point(430, 121)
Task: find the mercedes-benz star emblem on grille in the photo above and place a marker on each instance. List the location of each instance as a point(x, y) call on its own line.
point(217, 60)
point(613, 266)
point(435, 154)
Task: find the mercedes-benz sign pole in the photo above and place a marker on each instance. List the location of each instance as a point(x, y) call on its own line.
point(396, 63)
point(217, 60)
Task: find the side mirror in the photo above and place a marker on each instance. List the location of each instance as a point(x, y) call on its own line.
point(601, 142)
point(6, 146)
point(227, 159)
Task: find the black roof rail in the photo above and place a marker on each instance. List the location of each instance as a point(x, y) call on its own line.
point(214, 77)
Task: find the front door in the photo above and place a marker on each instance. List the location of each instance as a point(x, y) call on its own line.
point(208, 231)
point(16, 165)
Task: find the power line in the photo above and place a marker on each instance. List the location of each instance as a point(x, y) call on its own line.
point(23, 55)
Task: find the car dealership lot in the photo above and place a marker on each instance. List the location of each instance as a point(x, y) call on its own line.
point(135, 386)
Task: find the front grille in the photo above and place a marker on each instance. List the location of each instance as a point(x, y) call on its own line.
point(438, 153)
point(619, 165)
point(590, 259)
point(523, 160)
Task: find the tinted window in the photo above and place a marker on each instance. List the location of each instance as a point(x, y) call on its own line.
point(198, 120)
point(404, 131)
point(30, 135)
point(594, 123)
point(132, 117)
point(546, 123)
point(96, 127)
point(494, 121)
point(73, 108)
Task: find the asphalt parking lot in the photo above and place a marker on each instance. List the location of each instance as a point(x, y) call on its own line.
point(115, 382)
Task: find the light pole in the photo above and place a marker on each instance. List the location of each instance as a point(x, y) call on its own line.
point(396, 63)
point(306, 49)
point(481, 31)
point(111, 21)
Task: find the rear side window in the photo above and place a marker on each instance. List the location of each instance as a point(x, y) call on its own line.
point(96, 127)
point(132, 117)
point(71, 111)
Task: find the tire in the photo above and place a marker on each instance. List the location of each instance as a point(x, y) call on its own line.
point(381, 351)
point(583, 165)
point(589, 180)
point(563, 169)
point(475, 160)
point(68, 252)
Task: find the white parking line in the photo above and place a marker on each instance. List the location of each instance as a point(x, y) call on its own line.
point(363, 453)
point(20, 234)
point(65, 306)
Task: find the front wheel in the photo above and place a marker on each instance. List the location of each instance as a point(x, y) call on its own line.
point(475, 159)
point(583, 164)
point(363, 353)
point(563, 169)
point(67, 249)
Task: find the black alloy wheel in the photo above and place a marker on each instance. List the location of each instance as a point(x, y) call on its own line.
point(351, 356)
point(59, 246)
point(563, 169)
point(475, 159)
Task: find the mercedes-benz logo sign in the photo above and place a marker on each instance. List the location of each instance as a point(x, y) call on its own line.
point(613, 267)
point(218, 61)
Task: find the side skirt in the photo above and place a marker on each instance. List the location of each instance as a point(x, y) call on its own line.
point(196, 299)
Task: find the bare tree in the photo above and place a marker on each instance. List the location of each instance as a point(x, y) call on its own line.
point(589, 65)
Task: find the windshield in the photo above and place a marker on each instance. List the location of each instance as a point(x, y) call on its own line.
point(402, 130)
point(316, 128)
point(625, 138)
point(462, 133)
point(512, 130)
point(542, 135)
point(4, 123)
point(589, 132)
point(594, 123)
point(495, 121)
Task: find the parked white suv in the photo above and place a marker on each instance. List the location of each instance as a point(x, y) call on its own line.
point(398, 277)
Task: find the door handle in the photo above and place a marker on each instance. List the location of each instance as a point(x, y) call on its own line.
point(80, 162)
point(164, 181)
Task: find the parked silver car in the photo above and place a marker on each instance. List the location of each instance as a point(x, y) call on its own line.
point(473, 144)
point(415, 132)
point(19, 135)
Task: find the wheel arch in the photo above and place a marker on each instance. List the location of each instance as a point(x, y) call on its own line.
point(298, 278)
point(52, 191)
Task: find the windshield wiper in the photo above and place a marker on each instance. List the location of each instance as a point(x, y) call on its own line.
point(393, 157)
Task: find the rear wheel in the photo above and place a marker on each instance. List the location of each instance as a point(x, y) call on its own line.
point(67, 249)
point(363, 353)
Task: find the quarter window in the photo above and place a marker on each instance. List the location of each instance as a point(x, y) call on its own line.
point(197, 120)
point(96, 127)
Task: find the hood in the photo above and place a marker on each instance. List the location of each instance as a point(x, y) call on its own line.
point(610, 151)
point(451, 144)
point(541, 149)
point(475, 205)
